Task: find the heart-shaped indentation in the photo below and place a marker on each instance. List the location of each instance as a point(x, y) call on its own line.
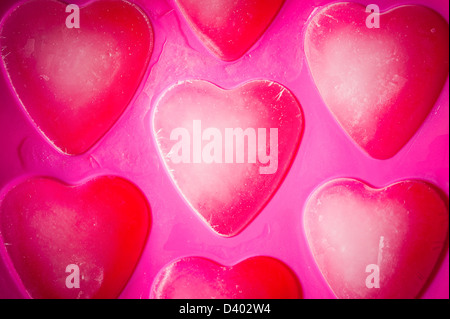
point(74, 241)
point(75, 82)
point(228, 150)
point(199, 278)
point(376, 243)
point(380, 83)
point(229, 28)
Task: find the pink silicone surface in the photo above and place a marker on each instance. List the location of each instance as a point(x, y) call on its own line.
point(129, 150)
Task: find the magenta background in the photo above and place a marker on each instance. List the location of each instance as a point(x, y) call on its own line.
point(129, 150)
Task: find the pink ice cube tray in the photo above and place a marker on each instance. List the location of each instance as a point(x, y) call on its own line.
point(238, 149)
